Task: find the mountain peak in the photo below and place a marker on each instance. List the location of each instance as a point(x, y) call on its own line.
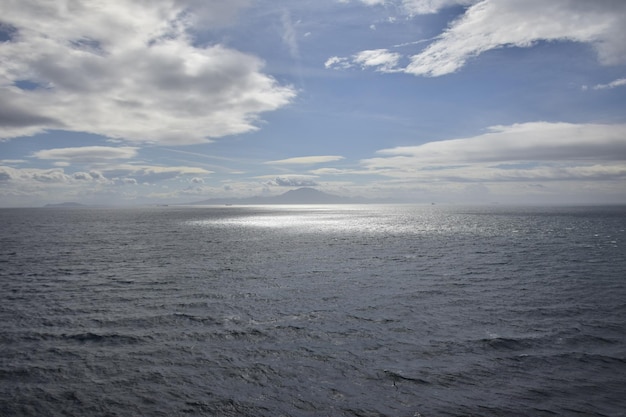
point(307, 195)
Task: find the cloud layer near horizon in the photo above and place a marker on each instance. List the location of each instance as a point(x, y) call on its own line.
point(128, 70)
point(521, 152)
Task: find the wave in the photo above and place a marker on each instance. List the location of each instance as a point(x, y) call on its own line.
point(104, 339)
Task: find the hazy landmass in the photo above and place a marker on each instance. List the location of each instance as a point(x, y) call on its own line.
point(66, 204)
point(299, 196)
point(305, 195)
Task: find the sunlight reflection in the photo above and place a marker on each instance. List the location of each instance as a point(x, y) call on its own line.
point(302, 218)
point(352, 218)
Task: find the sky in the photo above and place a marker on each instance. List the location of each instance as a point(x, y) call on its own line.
point(447, 101)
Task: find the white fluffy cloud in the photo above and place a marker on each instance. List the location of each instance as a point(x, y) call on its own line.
point(336, 62)
point(382, 59)
point(128, 70)
point(527, 151)
point(492, 24)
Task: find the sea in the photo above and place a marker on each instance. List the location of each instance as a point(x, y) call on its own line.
point(320, 310)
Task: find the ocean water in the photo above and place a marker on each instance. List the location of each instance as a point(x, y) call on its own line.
point(313, 311)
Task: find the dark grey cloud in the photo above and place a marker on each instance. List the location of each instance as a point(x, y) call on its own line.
point(16, 116)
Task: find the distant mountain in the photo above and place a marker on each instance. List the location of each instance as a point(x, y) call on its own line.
point(67, 204)
point(304, 195)
point(308, 196)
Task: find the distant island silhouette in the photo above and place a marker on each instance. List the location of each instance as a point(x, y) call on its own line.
point(305, 195)
point(66, 204)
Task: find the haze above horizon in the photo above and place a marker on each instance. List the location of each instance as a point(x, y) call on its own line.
point(460, 101)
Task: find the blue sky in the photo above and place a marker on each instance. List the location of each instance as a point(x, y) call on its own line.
point(174, 101)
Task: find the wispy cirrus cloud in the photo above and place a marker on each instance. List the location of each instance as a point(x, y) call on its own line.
point(368, 2)
point(289, 35)
point(416, 6)
point(613, 84)
point(306, 160)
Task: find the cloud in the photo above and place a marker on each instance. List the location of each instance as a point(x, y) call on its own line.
point(525, 142)
point(25, 176)
point(129, 70)
point(14, 113)
point(432, 6)
point(613, 84)
point(31, 179)
point(537, 151)
point(547, 172)
point(413, 7)
point(213, 14)
point(335, 62)
point(87, 153)
point(89, 176)
point(105, 175)
point(306, 160)
point(152, 173)
point(367, 2)
point(490, 24)
point(493, 24)
point(332, 171)
point(292, 181)
point(290, 38)
point(382, 59)
point(107, 185)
